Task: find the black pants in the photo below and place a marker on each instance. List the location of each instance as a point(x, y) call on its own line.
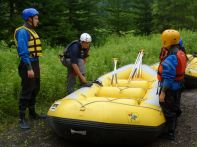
point(171, 108)
point(30, 88)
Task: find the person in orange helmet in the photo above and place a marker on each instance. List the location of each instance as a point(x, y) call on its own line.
point(171, 71)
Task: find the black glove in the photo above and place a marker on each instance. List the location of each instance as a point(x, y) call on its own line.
point(89, 84)
point(98, 82)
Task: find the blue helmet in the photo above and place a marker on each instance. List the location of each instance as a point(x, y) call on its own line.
point(181, 42)
point(29, 12)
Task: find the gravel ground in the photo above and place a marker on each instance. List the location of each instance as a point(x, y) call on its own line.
point(40, 135)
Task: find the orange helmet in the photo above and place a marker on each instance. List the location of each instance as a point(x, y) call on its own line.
point(170, 37)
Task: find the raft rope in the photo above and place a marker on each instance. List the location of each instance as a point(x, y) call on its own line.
point(83, 106)
point(190, 64)
point(190, 60)
point(192, 57)
point(126, 87)
point(111, 100)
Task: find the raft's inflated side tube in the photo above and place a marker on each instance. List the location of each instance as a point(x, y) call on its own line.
point(191, 72)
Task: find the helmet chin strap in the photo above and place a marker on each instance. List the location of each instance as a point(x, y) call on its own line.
point(31, 22)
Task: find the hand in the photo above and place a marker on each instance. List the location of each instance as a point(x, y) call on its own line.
point(84, 61)
point(30, 73)
point(162, 96)
point(83, 79)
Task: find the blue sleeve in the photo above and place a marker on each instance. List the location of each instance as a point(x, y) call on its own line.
point(22, 37)
point(169, 71)
point(74, 53)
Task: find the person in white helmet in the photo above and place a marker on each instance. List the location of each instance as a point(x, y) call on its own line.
point(74, 59)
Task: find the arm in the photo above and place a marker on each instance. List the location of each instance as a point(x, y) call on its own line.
point(22, 38)
point(168, 74)
point(77, 71)
point(169, 71)
point(74, 51)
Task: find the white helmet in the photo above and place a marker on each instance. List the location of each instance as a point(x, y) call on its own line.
point(85, 37)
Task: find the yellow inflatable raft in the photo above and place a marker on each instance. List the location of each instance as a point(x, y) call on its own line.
point(190, 73)
point(118, 110)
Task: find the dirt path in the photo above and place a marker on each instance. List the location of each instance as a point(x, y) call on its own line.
point(42, 136)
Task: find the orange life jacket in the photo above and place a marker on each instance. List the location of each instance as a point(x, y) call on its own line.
point(163, 54)
point(180, 68)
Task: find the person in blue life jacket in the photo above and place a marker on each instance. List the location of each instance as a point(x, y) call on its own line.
point(170, 75)
point(29, 50)
point(74, 58)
